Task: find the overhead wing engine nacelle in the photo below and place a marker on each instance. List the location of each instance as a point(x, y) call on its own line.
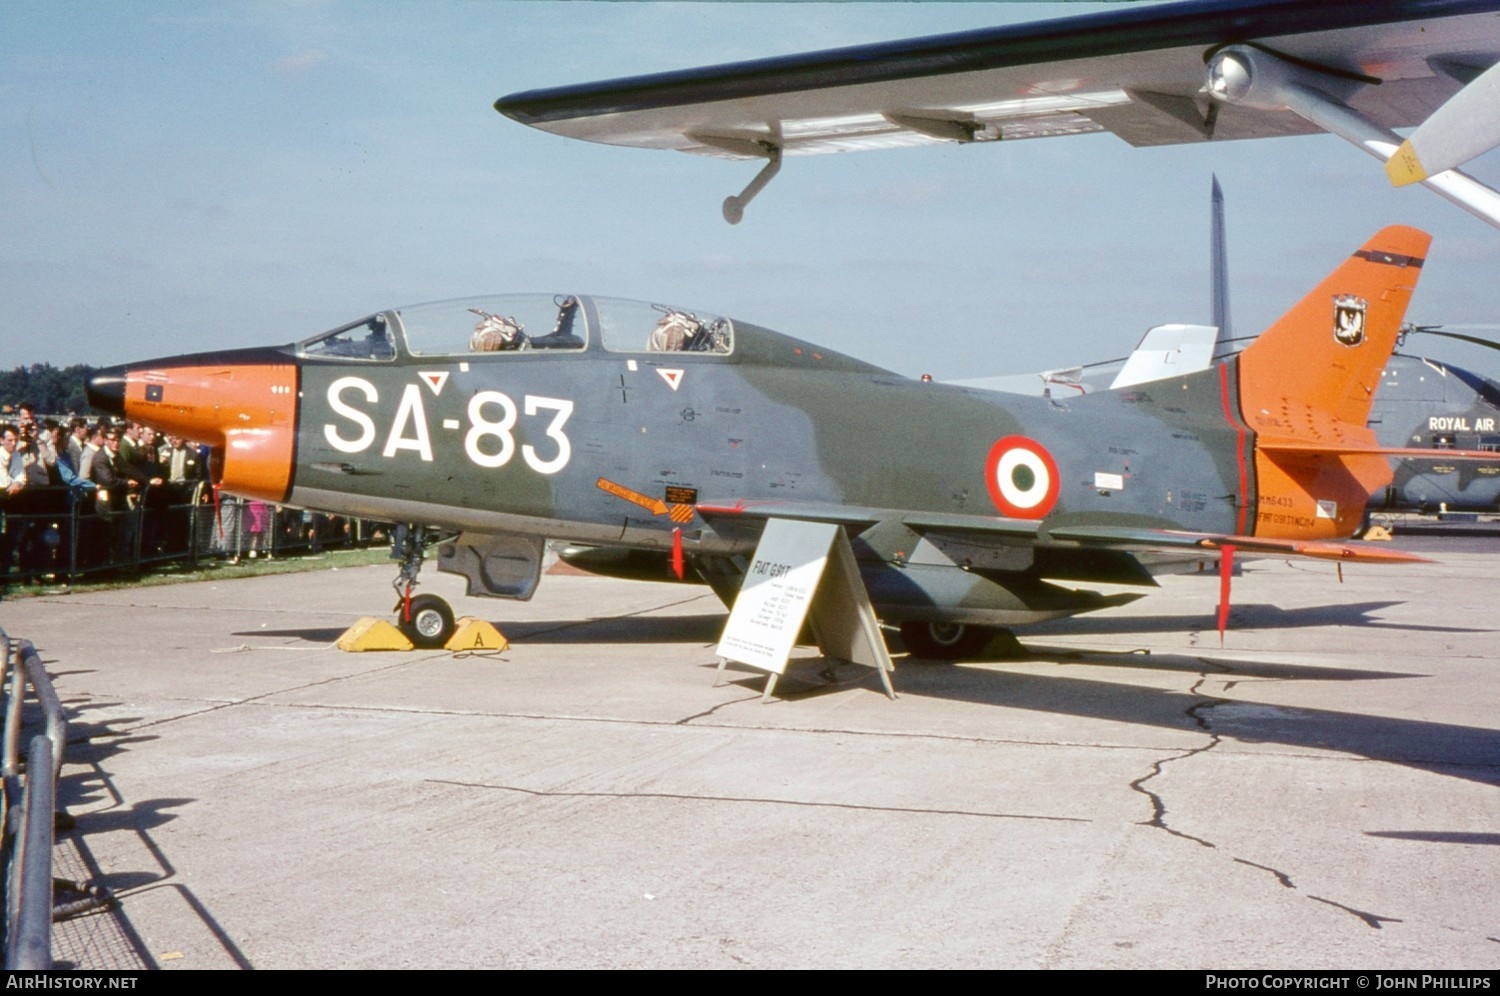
point(1242, 75)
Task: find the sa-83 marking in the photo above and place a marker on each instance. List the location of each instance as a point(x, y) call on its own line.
point(489, 441)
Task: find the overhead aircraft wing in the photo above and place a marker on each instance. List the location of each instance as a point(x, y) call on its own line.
point(1137, 72)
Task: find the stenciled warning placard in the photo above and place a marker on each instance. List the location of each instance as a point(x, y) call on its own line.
point(776, 593)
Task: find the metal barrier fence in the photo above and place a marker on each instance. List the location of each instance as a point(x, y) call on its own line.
point(29, 800)
point(62, 534)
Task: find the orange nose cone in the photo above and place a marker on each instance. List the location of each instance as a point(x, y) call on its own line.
point(243, 407)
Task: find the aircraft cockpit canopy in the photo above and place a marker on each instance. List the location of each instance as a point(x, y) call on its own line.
point(367, 339)
point(518, 323)
point(496, 324)
point(640, 327)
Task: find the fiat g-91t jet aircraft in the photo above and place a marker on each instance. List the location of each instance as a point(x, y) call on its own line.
point(505, 421)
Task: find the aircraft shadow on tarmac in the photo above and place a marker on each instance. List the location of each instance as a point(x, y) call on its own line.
point(311, 634)
point(701, 628)
point(1439, 836)
point(1136, 660)
point(1247, 616)
point(1470, 753)
point(706, 627)
point(1466, 752)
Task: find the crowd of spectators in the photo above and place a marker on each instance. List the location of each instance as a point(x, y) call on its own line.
point(78, 495)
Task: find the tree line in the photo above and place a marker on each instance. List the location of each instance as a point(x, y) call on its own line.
point(54, 391)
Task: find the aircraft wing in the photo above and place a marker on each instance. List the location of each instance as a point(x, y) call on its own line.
point(1138, 73)
point(858, 515)
point(1169, 540)
point(1025, 531)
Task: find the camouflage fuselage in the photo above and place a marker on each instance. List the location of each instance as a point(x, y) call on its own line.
point(548, 443)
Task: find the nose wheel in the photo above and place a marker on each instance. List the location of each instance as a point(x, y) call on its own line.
point(426, 620)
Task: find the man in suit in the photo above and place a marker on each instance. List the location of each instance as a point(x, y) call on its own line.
point(121, 484)
point(184, 470)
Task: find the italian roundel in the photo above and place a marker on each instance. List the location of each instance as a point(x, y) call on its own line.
point(1022, 478)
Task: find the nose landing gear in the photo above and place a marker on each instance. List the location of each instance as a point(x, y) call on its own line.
point(426, 620)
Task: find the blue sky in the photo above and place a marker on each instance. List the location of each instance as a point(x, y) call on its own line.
point(184, 176)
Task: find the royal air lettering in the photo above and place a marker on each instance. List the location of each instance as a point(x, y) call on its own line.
point(1459, 423)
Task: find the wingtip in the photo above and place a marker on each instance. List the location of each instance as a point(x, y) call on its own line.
point(1360, 554)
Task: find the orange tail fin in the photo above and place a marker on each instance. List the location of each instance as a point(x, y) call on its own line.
point(1308, 382)
point(1328, 351)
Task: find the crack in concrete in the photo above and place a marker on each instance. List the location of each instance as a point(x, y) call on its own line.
point(1158, 805)
point(1159, 808)
point(800, 804)
point(1281, 876)
point(685, 723)
point(1372, 920)
point(688, 720)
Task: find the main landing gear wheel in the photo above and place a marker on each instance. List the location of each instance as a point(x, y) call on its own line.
point(944, 641)
point(430, 624)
